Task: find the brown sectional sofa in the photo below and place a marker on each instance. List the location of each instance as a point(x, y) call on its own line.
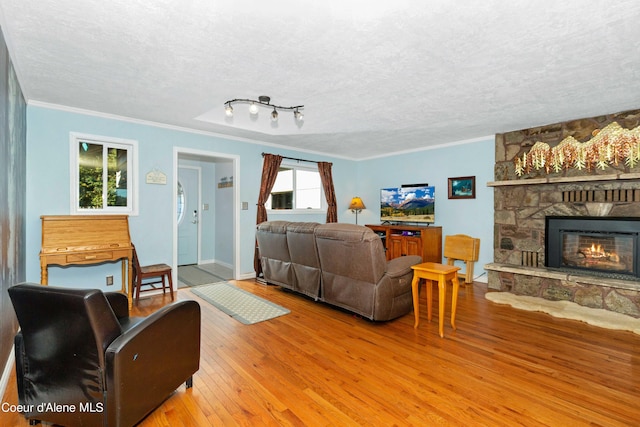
point(340, 264)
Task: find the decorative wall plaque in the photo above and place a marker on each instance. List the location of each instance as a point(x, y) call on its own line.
point(156, 177)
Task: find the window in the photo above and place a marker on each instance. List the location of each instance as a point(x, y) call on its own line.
point(180, 204)
point(297, 188)
point(103, 175)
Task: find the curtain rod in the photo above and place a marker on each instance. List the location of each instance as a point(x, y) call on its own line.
point(295, 158)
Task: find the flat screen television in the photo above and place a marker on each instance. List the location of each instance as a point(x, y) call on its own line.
point(408, 205)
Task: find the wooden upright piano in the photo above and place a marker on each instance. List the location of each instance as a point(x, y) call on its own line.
point(87, 239)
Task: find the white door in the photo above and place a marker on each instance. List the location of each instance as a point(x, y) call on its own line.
point(188, 215)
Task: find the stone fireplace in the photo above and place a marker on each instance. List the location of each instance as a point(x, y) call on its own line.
point(524, 262)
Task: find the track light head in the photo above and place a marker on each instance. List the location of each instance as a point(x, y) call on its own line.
point(266, 101)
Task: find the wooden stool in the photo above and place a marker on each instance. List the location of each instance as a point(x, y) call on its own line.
point(432, 271)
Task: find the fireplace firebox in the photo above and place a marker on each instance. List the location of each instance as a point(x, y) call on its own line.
point(601, 246)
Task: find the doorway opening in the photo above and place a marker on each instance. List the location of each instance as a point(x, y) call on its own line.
point(188, 210)
point(205, 232)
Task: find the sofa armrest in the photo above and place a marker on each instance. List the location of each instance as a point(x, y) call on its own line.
point(402, 265)
point(149, 361)
point(119, 303)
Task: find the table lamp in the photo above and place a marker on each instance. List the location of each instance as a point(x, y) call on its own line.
point(356, 206)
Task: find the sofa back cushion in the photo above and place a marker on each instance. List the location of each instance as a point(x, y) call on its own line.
point(304, 257)
point(351, 250)
point(352, 260)
point(274, 253)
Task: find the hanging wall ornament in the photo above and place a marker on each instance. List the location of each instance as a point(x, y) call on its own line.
point(610, 146)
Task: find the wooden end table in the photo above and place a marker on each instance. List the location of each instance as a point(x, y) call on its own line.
point(434, 272)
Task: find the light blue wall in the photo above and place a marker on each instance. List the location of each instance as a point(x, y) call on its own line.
point(457, 216)
point(48, 187)
point(207, 218)
point(223, 222)
point(152, 230)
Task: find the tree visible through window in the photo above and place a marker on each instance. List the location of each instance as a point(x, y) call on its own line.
point(92, 185)
point(102, 172)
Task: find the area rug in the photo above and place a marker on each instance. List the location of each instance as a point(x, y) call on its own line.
point(568, 310)
point(238, 303)
point(192, 275)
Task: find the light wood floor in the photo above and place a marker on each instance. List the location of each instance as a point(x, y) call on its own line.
point(319, 366)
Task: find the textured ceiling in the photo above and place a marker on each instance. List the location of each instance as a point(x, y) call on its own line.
point(375, 76)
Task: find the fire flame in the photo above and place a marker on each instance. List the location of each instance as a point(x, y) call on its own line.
point(597, 251)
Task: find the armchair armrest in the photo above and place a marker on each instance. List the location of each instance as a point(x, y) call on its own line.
point(402, 265)
point(149, 361)
point(119, 303)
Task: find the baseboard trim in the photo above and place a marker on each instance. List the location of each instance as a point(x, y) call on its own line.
point(247, 276)
point(483, 278)
point(224, 264)
point(6, 373)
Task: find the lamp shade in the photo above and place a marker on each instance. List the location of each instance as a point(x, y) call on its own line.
point(357, 204)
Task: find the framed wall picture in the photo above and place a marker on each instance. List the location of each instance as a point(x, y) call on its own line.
point(463, 187)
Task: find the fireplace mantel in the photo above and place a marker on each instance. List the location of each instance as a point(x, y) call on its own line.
point(566, 179)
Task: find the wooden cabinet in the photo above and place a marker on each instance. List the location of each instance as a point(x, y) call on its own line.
point(87, 239)
point(399, 245)
point(402, 240)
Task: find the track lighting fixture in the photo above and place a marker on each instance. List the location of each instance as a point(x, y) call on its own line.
point(265, 101)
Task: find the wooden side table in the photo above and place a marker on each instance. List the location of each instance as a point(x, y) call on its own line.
point(432, 271)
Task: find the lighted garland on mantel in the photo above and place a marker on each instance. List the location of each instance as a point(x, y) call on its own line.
point(612, 145)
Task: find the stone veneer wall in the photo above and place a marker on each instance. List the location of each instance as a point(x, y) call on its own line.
point(521, 208)
point(13, 187)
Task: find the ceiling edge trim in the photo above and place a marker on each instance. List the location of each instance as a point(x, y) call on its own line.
point(176, 128)
point(434, 147)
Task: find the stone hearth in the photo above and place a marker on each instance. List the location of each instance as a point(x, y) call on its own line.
point(522, 203)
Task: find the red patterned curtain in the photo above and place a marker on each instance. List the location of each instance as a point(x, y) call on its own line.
point(270, 166)
point(327, 183)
